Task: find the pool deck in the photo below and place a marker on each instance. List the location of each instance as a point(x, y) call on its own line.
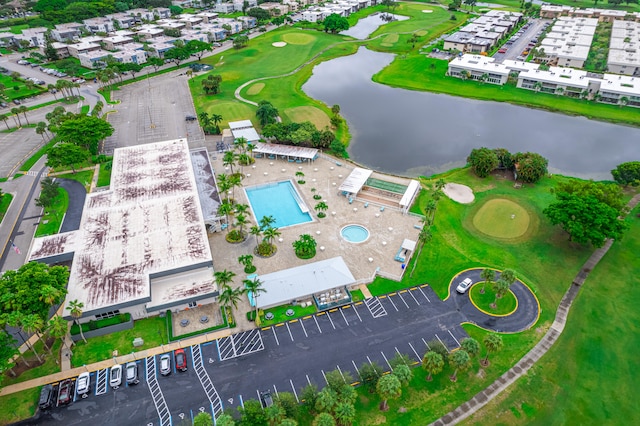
point(387, 228)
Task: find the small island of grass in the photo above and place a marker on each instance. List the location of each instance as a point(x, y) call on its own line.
point(485, 301)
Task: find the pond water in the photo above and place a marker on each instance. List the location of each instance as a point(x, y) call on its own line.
point(418, 133)
point(367, 25)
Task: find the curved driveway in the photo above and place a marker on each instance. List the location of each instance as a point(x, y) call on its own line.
point(525, 315)
point(77, 194)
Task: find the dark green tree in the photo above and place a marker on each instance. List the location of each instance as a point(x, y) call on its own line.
point(66, 154)
point(177, 54)
point(260, 14)
point(198, 48)
point(48, 192)
point(627, 173)
point(531, 167)
point(335, 23)
point(266, 113)
point(85, 131)
point(240, 41)
point(483, 161)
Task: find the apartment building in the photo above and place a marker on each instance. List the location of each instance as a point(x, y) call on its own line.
point(477, 67)
point(624, 48)
point(483, 33)
point(568, 42)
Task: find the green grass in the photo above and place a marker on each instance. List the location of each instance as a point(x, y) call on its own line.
point(600, 343)
point(504, 305)
point(49, 366)
point(279, 315)
point(85, 109)
point(501, 218)
point(83, 177)
point(104, 174)
point(35, 157)
point(51, 219)
point(19, 405)
point(429, 75)
point(22, 92)
point(5, 201)
point(152, 330)
point(356, 295)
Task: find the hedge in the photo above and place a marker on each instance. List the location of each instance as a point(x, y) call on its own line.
point(101, 323)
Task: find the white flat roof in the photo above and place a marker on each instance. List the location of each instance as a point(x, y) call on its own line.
point(242, 124)
point(249, 134)
point(623, 84)
point(622, 57)
point(355, 181)
point(564, 76)
point(149, 223)
point(409, 194)
point(520, 65)
point(302, 281)
point(479, 63)
point(286, 150)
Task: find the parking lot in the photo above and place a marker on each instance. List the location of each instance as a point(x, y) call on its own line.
point(517, 44)
point(282, 358)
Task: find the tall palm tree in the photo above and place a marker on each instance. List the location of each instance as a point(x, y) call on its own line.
point(224, 277)
point(235, 181)
point(225, 209)
point(224, 185)
point(257, 232)
point(34, 324)
point(267, 221)
point(492, 343)
point(75, 309)
point(424, 237)
point(41, 129)
point(23, 109)
point(254, 286)
point(241, 221)
point(460, 360)
point(388, 387)
point(488, 275)
point(5, 117)
point(57, 327)
point(229, 159)
point(51, 88)
point(433, 363)
point(16, 113)
point(270, 234)
point(204, 119)
point(216, 118)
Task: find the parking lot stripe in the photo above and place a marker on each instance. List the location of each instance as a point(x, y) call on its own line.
point(325, 377)
point(330, 320)
point(304, 329)
point(218, 346)
point(403, 301)
point(317, 325)
point(308, 381)
point(101, 382)
point(454, 337)
point(289, 329)
point(294, 391)
point(356, 311)
point(441, 341)
point(241, 401)
point(345, 318)
point(355, 368)
point(414, 351)
point(369, 359)
point(307, 317)
point(426, 344)
point(274, 335)
point(205, 380)
point(156, 392)
point(414, 298)
point(386, 360)
point(394, 305)
point(425, 296)
point(358, 303)
point(276, 389)
point(340, 370)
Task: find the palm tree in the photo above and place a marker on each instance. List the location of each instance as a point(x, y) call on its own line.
point(345, 413)
point(241, 221)
point(205, 120)
point(50, 295)
point(256, 231)
point(224, 185)
point(225, 209)
point(235, 180)
point(254, 286)
point(471, 346)
point(488, 275)
point(324, 419)
point(229, 159)
point(501, 286)
point(41, 129)
point(224, 277)
point(403, 373)
point(216, 118)
point(492, 343)
point(321, 207)
point(51, 88)
point(33, 324)
point(229, 297)
point(266, 222)
point(270, 234)
point(388, 387)
point(23, 109)
point(460, 360)
point(75, 309)
point(16, 113)
point(433, 363)
point(300, 177)
point(57, 328)
point(246, 260)
point(5, 117)
point(240, 144)
point(305, 246)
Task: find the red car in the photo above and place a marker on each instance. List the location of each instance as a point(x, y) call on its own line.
point(180, 359)
point(503, 50)
point(64, 392)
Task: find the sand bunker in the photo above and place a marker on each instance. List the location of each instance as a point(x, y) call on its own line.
point(279, 44)
point(427, 11)
point(459, 193)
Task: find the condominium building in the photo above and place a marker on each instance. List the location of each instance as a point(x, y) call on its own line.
point(568, 42)
point(483, 33)
point(478, 67)
point(624, 48)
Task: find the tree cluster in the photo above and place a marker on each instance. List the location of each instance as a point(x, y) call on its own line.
point(335, 23)
point(627, 173)
point(589, 212)
point(84, 131)
point(66, 154)
point(211, 84)
point(61, 11)
point(240, 41)
point(266, 113)
point(299, 134)
point(529, 166)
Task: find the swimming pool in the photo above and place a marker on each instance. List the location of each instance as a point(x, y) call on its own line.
point(355, 233)
point(280, 200)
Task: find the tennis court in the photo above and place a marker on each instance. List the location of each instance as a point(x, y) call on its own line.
point(387, 186)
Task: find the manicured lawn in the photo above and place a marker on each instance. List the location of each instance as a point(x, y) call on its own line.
point(104, 174)
point(504, 305)
point(356, 295)
point(429, 75)
point(5, 201)
point(590, 375)
point(152, 330)
point(83, 177)
point(49, 366)
point(22, 91)
point(18, 406)
point(51, 219)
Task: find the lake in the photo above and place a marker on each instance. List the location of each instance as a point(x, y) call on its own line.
point(413, 133)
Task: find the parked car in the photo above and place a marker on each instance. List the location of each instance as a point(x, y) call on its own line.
point(503, 50)
point(64, 392)
point(266, 399)
point(190, 118)
point(83, 385)
point(180, 359)
point(46, 397)
point(165, 365)
point(132, 373)
point(464, 285)
point(16, 101)
point(115, 376)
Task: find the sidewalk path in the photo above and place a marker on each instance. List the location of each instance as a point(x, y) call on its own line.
point(522, 367)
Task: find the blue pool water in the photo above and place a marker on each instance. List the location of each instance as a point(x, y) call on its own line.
point(280, 200)
point(355, 233)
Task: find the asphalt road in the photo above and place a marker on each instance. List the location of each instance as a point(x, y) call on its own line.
point(77, 194)
point(286, 357)
point(514, 50)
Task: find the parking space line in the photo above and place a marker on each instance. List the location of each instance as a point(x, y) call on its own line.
point(386, 360)
point(345, 318)
point(369, 359)
point(205, 380)
point(414, 298)
point(441, 341)
point(425, 296)
point(294, 391)
point(356, 369)
point(340, 370)
point(325, 377)
point(101, 382)
point(454, 337)
point(218, 346)
point(403, 301)
point(288, 329)
point(415, 352)
point(356, 311)
point(376, 309)
point(276, 390)
point(308, 381)
point(317, 325)
point(426, 344)
point(275, 335)
point(304, 329)
point(394, 305)
point(330, 320)
point(156, 392)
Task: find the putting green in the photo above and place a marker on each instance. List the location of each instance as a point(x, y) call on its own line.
point(308, 113)
point(255, 89)
point(502, 218)
point(421, 33)
point(391, 38)
point(298, 38)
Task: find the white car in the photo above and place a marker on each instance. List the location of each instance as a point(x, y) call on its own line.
point(165, 365)
point(115, 377)
point(83, 385)
point(464, 285)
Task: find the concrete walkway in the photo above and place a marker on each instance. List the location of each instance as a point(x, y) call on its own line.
point(522, 367)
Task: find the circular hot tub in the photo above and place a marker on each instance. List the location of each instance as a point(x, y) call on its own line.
point(355, 233)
